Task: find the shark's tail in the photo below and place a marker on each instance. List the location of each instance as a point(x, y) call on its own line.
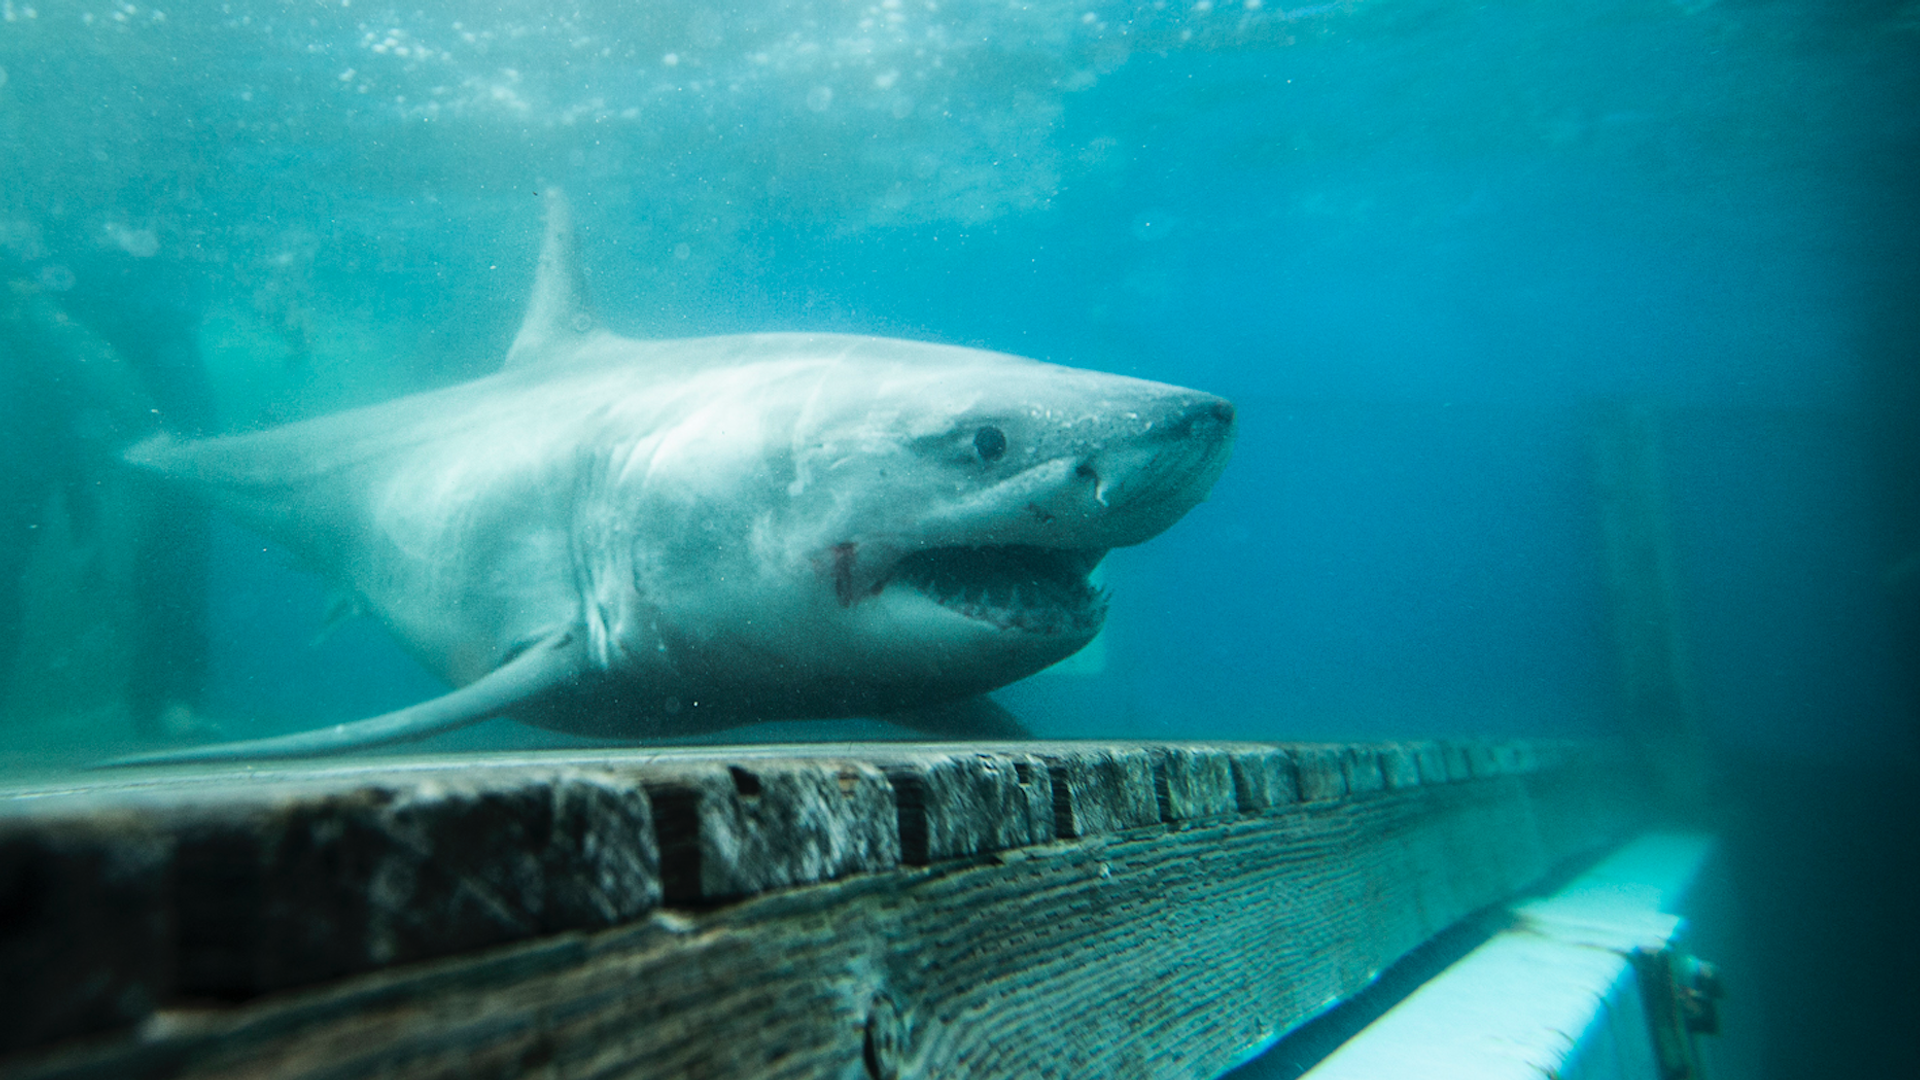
point(547, 665)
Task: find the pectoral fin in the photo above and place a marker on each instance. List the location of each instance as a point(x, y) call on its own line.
point(549, 664)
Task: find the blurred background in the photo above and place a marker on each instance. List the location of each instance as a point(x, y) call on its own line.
point(1576, 347)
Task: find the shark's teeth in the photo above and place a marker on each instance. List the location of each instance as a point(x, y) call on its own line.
point(1031, 589)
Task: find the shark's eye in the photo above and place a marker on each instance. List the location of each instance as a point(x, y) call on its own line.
point(990, 443)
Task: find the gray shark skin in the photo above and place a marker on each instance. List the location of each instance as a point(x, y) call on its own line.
point(624, 538)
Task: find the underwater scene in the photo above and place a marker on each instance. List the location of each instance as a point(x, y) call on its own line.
point(805, 370)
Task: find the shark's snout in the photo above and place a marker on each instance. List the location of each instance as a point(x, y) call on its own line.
point(1145, 482)
point(1208, 419)
point(1201, 420)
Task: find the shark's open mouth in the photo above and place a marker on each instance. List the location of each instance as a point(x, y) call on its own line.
point(1034, 589)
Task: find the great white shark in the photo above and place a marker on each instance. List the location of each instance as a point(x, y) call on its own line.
point(622, 538)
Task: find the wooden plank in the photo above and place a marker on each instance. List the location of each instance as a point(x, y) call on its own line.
point(1071, 909)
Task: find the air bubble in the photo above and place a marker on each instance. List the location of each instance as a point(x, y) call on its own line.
point(55, 278)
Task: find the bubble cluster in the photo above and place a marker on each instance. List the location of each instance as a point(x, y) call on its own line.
point(864, 113)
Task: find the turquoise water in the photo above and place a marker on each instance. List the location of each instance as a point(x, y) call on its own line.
point(1427, 249)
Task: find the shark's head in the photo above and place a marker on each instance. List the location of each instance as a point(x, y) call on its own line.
point(926, 516)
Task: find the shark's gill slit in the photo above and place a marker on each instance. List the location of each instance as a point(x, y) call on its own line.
point(843, 559)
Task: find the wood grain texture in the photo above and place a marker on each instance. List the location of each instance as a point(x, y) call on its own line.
point(891, 910)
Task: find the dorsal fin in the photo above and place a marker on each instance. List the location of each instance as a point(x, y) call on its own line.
point(557, 314)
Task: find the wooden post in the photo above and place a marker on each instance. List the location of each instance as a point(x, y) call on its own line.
point(882, 911)
point(1659, 702)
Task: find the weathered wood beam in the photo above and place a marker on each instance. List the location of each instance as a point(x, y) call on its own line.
point(886, 910)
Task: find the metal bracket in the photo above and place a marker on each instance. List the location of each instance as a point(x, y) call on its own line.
point(1682, 995)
